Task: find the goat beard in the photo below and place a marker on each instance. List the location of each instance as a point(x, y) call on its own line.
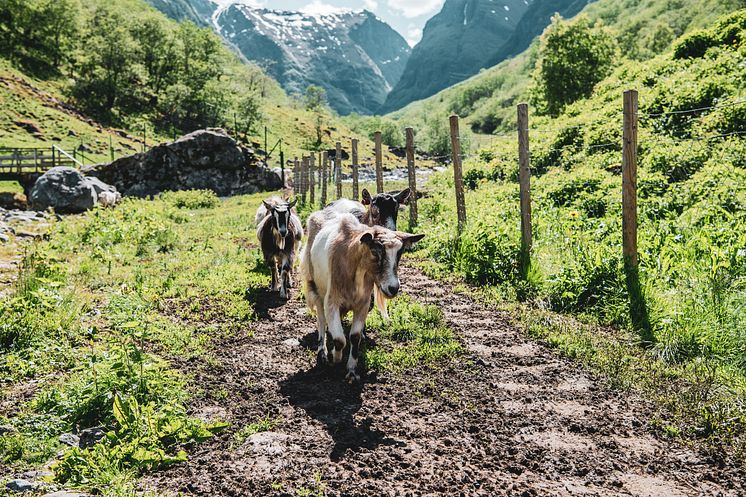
point(279, 240)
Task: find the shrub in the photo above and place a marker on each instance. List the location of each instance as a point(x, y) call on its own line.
point(191, 199)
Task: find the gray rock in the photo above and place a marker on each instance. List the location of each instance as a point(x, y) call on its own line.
point(70, 439)
point(64, 189)
point(66, 493)
point(91, 436)
point(99, 185)
point(205, 159)
point(5, 429)
point(37, 474)
point(19, 485)
point(267, 443)
point(292, 342)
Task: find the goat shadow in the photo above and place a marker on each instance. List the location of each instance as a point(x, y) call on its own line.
point(324, 394)
point(262, 298)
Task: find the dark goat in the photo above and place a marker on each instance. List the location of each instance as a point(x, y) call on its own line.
point(279, 232)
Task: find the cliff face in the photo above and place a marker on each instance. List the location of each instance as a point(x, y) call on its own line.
point(354, 56)
point(456, 43)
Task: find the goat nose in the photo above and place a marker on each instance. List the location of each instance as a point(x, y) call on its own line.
point(283, 233)
point(393, 289)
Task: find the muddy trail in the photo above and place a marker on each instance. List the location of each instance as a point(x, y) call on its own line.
point(509, 417)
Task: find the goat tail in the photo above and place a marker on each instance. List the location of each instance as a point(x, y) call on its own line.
point(380, 300)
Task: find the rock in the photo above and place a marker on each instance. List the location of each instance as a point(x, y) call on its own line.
point(12, 200)
point(292, 342)
point(267, 443)
point(91, 436)
point(99, 185)
point(37, 475)
point(65, 493)
point(19, 485)
point(64, 189)
point(70, 439)
point(84, 148)
point(204, 159)
point(5, 429)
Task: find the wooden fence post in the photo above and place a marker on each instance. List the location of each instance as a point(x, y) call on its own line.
point(318, 168)
point(629, 179)
point(524, 178)
point(412, 177)
point(311, 179)
point(355, 192)
point(379, 163)
point(457, 177)
point(303, 179)
point(338, 165)
point(637, 305)
point(296, 177)
point(324, 180)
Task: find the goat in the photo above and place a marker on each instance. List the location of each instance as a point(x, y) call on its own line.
point(109, 199)
point(340, 268)
point(279, 231)
point(383, 211)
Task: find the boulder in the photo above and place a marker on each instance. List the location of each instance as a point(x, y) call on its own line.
point(91, 436)
point(99, 185)
point(20, 485)
point(205, 159)
point(63, 188)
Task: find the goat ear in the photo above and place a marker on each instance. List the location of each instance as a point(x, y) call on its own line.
point(267, 205)
point(367, 238)
point(292, 204)
point(409, 239)
point(366, 197)
point(403, 196)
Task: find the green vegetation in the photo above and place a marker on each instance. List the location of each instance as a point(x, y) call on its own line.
point(573, 57)
point(416, 335)
point(642, 30)
point(692, 205)
point(157, 281)
point(77, 73)
point(264, 424)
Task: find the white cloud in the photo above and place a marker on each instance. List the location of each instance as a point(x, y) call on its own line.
point(371, 5)
point(319, 8)
point(413, 35)
point(414, 8)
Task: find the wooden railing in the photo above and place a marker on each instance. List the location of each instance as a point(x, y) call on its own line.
point(15, 161)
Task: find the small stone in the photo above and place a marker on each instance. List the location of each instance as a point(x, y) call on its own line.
point(20, 485)
point(37, 475)
point(292, 342)
point(70, 439)
point(91, 436)
point(65, 493)
point(5, 429)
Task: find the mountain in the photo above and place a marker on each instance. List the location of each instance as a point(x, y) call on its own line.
point(197, 11)
point(455, 44)
point(354, 56)
point(531, 25)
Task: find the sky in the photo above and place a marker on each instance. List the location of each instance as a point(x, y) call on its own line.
point(408, 17)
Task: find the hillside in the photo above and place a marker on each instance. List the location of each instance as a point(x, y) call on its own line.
point(643, 29)
point(41, 106)
point(455, 44)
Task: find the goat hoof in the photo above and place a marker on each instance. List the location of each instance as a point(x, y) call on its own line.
point(321, 358)
point(352, 377)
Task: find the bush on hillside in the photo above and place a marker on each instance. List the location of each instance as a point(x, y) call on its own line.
point(573, 57)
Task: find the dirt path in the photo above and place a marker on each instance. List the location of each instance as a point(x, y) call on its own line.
point(510, 418)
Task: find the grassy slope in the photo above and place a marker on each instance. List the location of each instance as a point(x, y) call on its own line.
point(489, 98)
point(691, 203)
point(28, 103)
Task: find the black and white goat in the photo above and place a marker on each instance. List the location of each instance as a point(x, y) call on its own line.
point(279, 231)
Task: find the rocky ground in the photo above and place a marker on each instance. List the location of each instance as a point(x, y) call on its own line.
point(509, 417)
point(17, 229)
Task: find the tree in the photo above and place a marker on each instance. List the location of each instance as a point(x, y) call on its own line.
point(573, 57)
point(315, 99)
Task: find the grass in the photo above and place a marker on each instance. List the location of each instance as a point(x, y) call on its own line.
point(417, 335)
point(264, 424)
point(97, 329)
point(687, 352)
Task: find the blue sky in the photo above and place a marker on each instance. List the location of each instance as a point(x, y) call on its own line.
point(408, 17)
